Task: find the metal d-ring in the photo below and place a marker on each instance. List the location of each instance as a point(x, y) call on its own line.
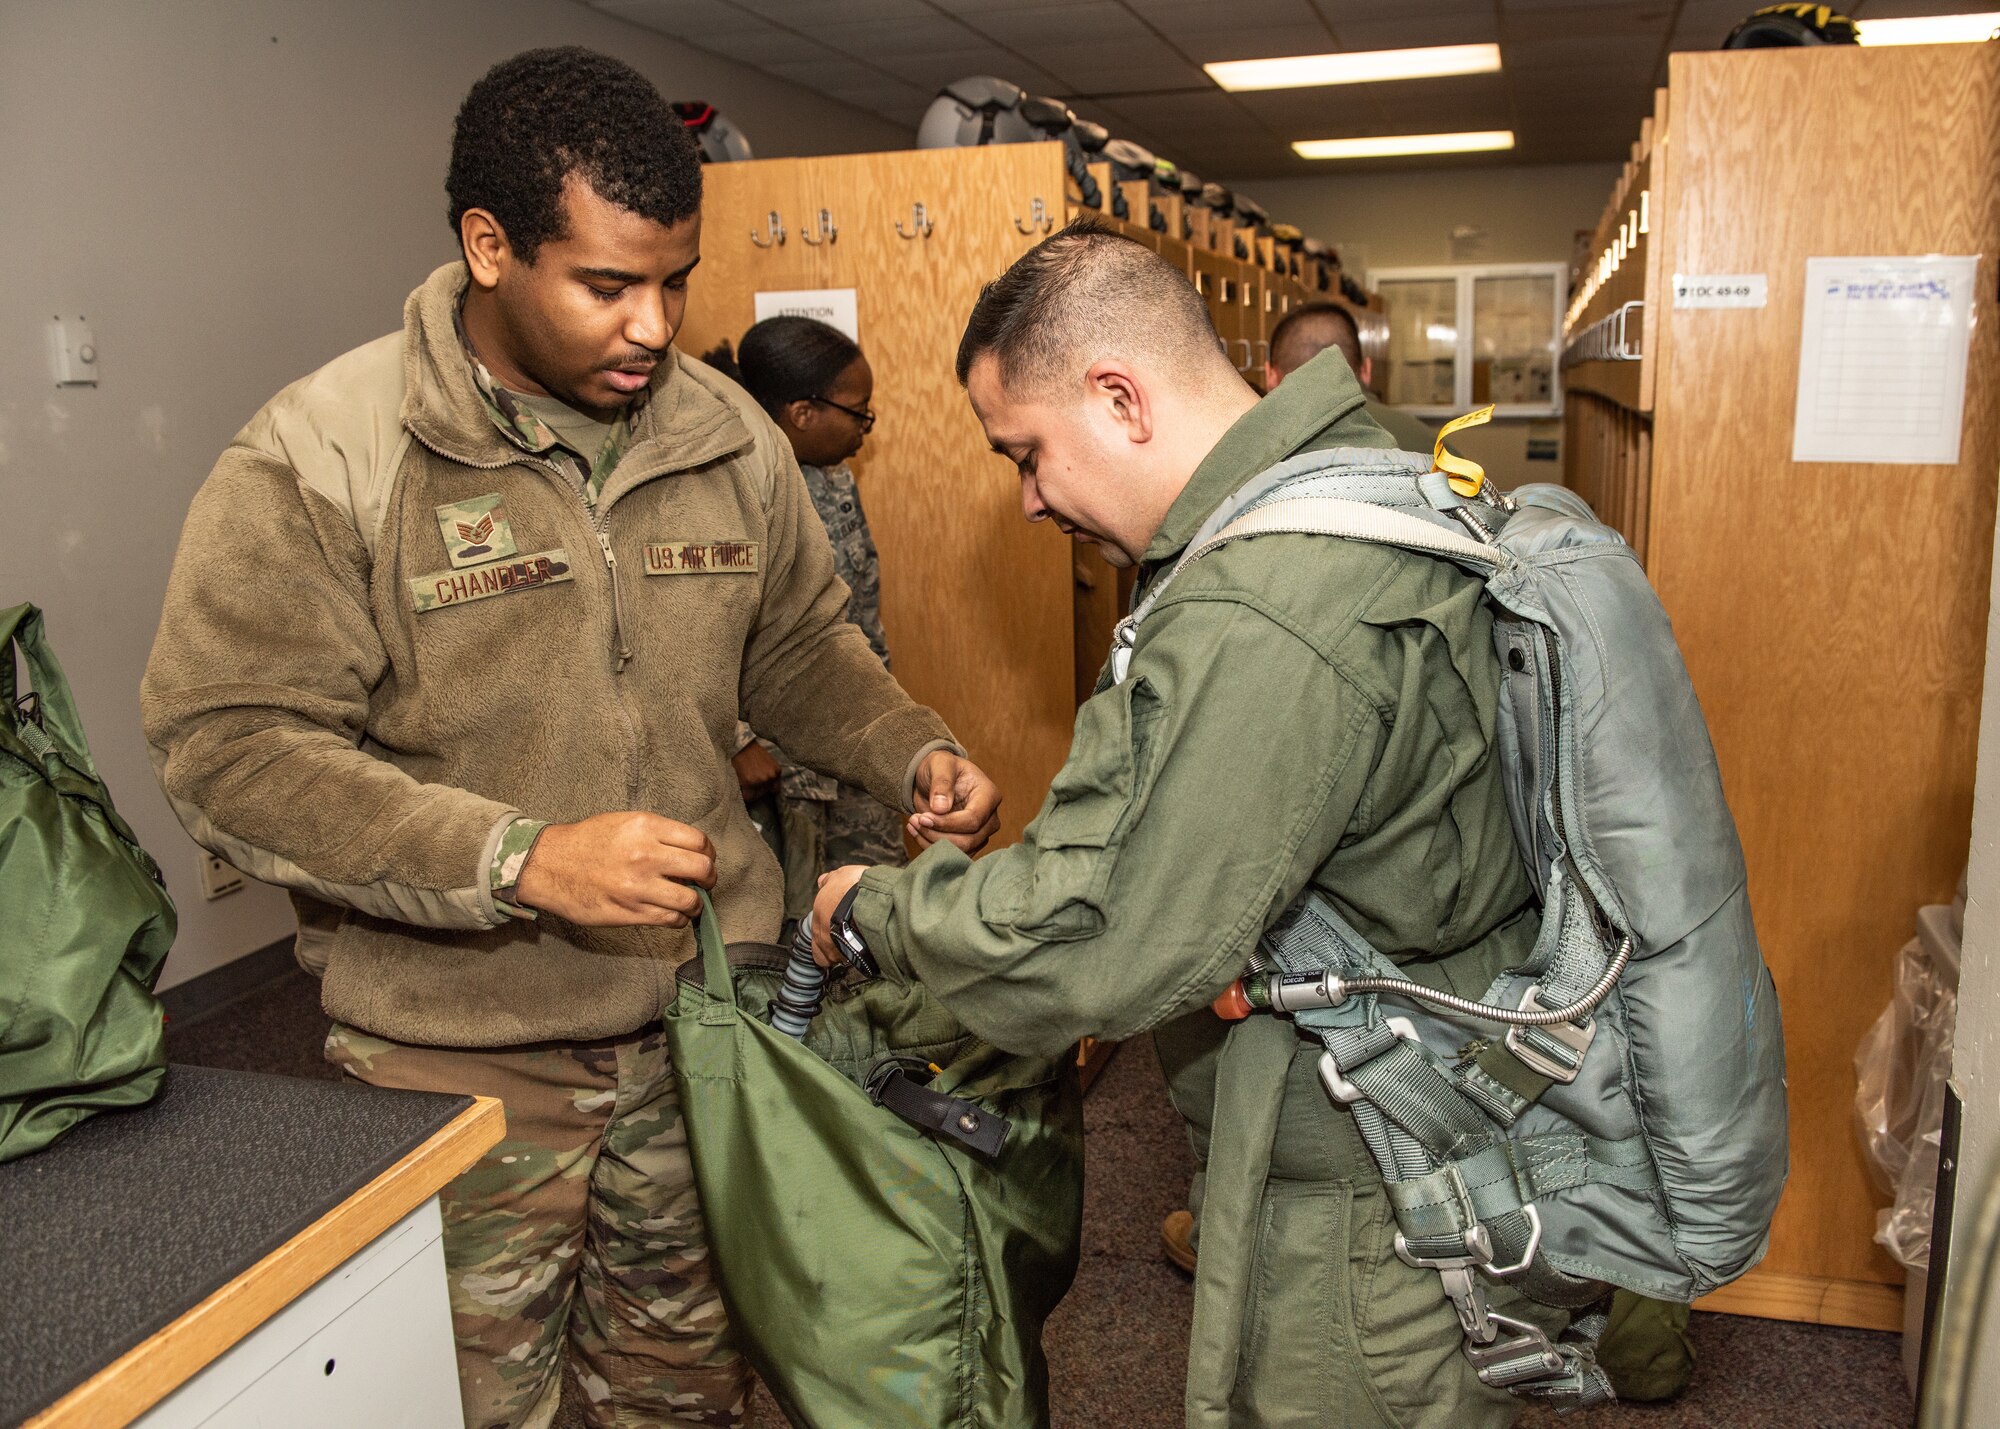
point(920, 221)
point(825, 227)
point(1040, 220)
point(774, 227)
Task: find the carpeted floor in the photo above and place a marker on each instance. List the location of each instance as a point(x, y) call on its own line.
point(1118, 1343)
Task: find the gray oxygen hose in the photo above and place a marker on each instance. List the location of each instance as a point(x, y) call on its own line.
point(798, 1000)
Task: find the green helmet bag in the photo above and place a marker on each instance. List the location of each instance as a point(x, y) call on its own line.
point(878, 1275)
point(85, 921)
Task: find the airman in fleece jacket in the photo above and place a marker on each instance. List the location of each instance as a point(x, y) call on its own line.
point(359, 684)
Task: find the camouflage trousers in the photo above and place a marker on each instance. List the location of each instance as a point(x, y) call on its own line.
point(581, 1228)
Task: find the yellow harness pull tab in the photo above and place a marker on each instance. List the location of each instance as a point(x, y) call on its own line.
point(1467, 476)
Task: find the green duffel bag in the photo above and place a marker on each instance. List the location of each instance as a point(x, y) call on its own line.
point(877, 1276)
point(85, 921)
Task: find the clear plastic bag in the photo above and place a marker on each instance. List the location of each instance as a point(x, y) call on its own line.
point(1902, 1065)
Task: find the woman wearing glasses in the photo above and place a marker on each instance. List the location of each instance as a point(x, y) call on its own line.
point(816, 384)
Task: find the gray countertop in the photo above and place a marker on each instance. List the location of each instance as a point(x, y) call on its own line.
point(134, 1217)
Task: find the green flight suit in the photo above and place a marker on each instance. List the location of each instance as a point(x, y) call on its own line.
point(1299, 711)
point(1406, 433)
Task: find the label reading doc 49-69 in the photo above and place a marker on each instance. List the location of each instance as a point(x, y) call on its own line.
point(1719, 290)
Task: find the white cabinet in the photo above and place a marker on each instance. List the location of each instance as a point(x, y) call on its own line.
point(371, 1344)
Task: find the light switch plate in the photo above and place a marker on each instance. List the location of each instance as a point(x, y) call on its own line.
point(72, 352)
point(219, 878)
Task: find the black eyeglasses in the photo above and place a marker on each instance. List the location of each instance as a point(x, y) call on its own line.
point(860, 414)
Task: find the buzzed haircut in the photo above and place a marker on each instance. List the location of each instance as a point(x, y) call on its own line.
point(1084, 293)
point(532, 121)
point(1304, 333)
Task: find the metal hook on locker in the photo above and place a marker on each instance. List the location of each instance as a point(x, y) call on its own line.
point(1040, 220)
point(773, 226)
point(826, 228)
point(920, 219)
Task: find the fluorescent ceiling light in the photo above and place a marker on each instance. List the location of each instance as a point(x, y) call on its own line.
point(1362, 67)
point(1393, 145)
point(1929, 29)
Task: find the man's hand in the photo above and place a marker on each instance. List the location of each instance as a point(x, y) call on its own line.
point(628, 870)
point(757, 773)
point(832, 888)
point(955, 801)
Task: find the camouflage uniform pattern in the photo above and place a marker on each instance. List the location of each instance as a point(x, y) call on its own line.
point(580, 1228)
point(825, 824)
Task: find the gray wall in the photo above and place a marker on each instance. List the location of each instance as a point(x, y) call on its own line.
point(1405, 219)
point(233, 192)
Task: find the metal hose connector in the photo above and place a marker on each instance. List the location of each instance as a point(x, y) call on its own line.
point(1485, 1011)
point(798, 998)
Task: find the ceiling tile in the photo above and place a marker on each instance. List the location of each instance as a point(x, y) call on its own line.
point(1578, 74)
point(932, 34)
point(813, 14)
point(1169, 15)
point(1341, 13)
point(831, 74)
point(1649, 21)
point(1408, 32)
point(766, 46)
point(684, 18)
point(880, 93)
point(933, 72)
point(1208, 44)
point(1089, 22)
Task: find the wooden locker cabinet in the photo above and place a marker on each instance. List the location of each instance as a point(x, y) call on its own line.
point(976, 602)
point(1833, 615)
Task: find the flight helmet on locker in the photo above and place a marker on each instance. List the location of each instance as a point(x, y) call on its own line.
point(1785, 26)
point(1053, 119)
point(719, 141)
point(1130, 162)
point(973, 111)
point(1050, 118)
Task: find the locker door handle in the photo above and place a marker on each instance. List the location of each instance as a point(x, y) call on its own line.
point(920, 220)
point(774, 226)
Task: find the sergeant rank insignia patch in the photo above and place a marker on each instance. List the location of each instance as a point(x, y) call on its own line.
point(442, 588)
point(701, 558)
point(476, 530)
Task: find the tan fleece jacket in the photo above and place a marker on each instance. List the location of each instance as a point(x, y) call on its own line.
point(389, 633)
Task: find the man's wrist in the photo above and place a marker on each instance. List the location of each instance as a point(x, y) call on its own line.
point(916, 766)
point(848, 941)
point(510, 857)
point(872, 911)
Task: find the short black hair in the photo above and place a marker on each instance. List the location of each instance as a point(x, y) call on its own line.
point(1086, 287)
point(1304, 333)
point(785, 359)
point(532, 121)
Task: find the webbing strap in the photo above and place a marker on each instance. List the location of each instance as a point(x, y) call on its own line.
point(1463, 1195)
point(1311, 516)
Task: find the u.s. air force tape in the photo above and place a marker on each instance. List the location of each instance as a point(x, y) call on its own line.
point(702, 558)
point(442, 588)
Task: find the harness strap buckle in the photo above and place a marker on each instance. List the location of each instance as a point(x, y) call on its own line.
point(1522, 1355)
point(1468, 1298)
point(1332, 1074)
point(1562, 1059)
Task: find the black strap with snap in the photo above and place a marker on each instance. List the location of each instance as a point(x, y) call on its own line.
point(972, 1126)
